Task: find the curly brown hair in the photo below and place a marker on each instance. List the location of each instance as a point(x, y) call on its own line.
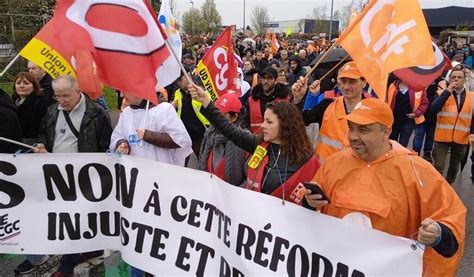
point(295, 143)
point(30, 78)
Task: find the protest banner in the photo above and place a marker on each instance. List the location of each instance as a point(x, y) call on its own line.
point(170, 220)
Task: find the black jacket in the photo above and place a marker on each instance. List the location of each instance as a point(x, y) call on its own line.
point(249, 142)
point(31, 112)
point(47, 88)
point(260, 65)
point(94, 133)
point(297, 73)
point(281, 91)
point(9, 123)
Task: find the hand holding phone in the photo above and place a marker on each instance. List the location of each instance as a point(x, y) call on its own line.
point(315, 189)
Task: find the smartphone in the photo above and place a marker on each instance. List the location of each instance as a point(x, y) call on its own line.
point(315, 189)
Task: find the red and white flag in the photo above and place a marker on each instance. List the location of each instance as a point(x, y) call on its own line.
point(218, 67)
point(420, 77)
point(124, 40)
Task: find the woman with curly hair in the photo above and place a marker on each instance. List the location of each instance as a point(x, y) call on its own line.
point(282, 153)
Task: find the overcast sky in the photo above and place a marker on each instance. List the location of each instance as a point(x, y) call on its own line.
point(232, 11)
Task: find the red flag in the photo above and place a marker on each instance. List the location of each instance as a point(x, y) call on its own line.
point(124, 40)
point(218, 67)
point(420, 77)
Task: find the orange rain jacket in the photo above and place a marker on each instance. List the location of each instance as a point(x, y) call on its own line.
point(397, 192)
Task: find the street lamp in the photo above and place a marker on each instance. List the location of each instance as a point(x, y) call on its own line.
point(192, 16)
point(330, 22)
point(243, 26)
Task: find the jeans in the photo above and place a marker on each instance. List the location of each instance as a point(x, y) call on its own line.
point(424, 130)
point(441, 150)
point(401, 132)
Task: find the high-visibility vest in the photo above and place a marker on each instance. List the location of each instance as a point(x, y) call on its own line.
point(332, 136)
point(418, 95)
point(254, 80)
point(256, 115)
point(454, 126)
point(178, 96)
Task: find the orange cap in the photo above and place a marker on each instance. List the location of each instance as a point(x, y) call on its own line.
point(349, 70)
point(371, 110)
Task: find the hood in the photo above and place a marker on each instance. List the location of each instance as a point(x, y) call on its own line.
point(298, 62)
point(7, 102)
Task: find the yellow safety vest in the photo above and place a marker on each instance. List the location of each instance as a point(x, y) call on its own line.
point(454, 126)
point(178, 96)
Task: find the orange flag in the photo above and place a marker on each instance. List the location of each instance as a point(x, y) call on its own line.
point(386, 36)
point(275, 45)
point(268, 35)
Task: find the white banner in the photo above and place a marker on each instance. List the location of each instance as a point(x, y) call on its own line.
point(170, 220)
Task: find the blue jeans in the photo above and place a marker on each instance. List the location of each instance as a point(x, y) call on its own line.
point(426, 131)
point(401, 132)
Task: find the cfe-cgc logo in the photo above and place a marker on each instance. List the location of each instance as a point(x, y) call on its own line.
point(8, 229)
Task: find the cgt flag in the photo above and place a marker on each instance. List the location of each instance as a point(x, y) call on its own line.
point(123, 37)
point(420, 77)
point(218, 67)
point(388, 35)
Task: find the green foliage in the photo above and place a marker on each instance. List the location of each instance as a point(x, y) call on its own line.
point(191, 19)
point(211, 20)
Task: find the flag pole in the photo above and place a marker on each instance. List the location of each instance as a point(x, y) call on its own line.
point(183, 70)
point(17, 143)
point(145, 119)
point(320, 60)
point(334, 67)
point(10, 65)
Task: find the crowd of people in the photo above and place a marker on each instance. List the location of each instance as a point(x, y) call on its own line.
point(257, 138)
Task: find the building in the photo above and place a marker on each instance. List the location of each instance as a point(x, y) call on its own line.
point(448, 18)
point(305, 26)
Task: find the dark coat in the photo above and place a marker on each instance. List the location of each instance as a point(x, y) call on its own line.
point(9, 123)
point(47, 88)
point(31, 112)
point(94, 133)
point(281, 91)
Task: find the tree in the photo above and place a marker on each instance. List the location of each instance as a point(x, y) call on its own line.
point(211, 20)
point(191, 19)
point(259, 19)
point(320, 13)
point(345, 15)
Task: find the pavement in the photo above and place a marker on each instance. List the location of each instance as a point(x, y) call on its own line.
point(112, 265)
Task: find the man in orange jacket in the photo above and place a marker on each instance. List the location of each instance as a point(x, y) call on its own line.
point(383, 185)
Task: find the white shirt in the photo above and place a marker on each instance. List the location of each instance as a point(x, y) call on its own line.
point(64, 139)
point(162, 118)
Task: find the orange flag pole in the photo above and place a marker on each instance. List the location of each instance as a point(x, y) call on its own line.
point(320, 60)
